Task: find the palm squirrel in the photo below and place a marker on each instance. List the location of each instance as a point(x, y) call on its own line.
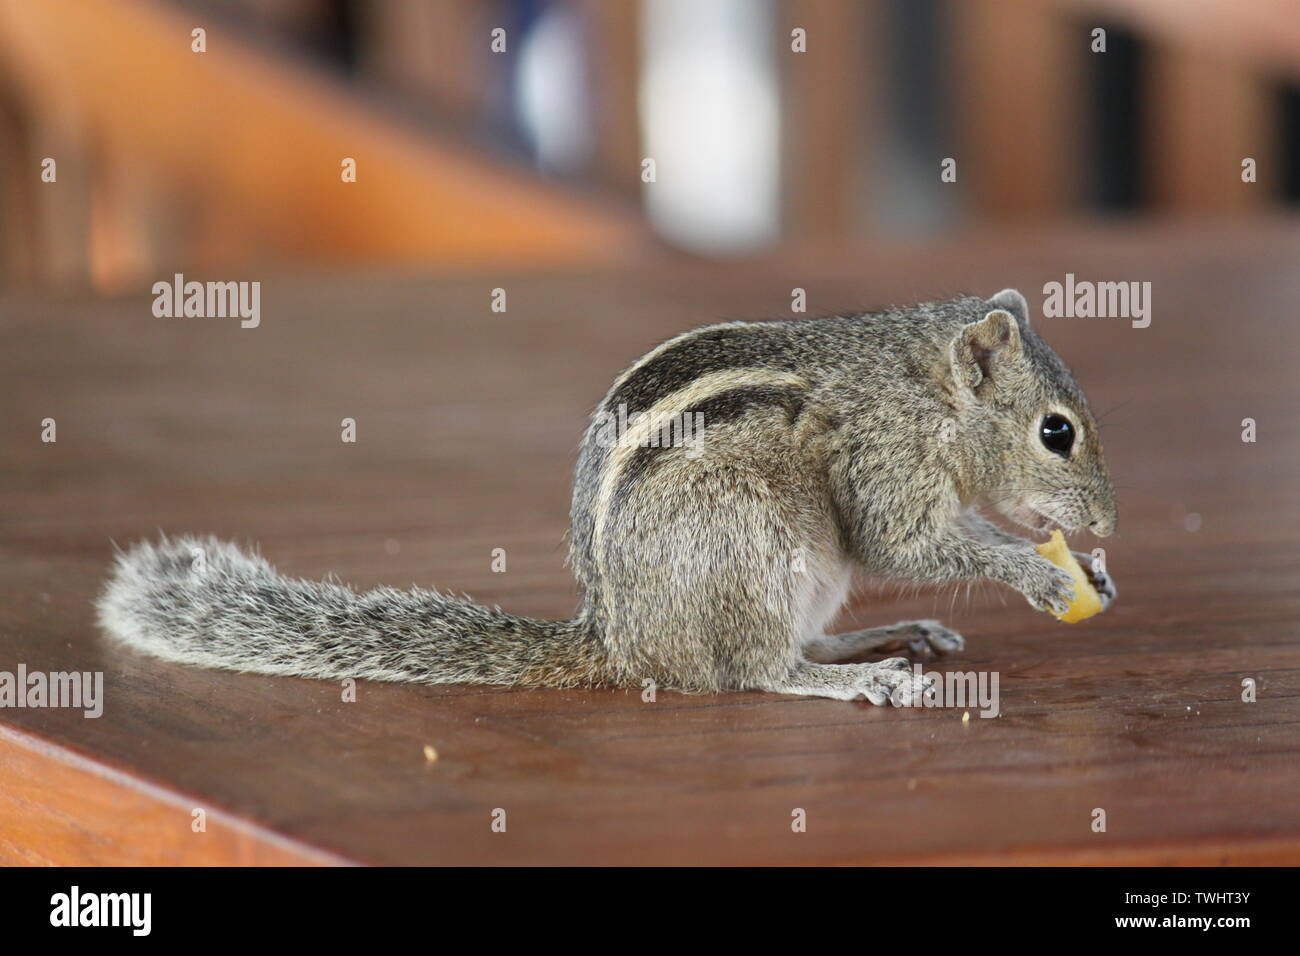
point(828, 446)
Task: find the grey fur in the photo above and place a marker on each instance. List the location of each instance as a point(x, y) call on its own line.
point(206, 602)
point(832, 446)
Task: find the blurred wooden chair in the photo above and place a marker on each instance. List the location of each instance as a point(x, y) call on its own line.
point(169, 156)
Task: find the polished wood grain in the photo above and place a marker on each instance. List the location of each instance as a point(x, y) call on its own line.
point(61, 809)
point(467, 425)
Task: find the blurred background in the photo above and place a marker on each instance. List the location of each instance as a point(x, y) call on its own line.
point(564, 132)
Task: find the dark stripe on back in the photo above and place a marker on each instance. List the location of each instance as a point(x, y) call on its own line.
point(718, 409)
point(714, 350)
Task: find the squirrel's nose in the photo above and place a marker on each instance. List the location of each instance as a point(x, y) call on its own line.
point(1102, 527)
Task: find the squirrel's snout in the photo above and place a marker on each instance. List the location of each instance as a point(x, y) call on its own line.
point(1102, 527)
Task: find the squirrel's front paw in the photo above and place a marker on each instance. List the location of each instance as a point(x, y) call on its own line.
point(1045, 586)
point(1098, 578)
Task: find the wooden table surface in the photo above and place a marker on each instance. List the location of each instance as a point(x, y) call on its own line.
point(467, 425)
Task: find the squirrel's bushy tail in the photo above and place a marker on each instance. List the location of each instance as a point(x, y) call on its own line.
point(206, 602)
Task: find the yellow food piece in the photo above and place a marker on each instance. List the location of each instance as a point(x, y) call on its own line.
point(1086, 601)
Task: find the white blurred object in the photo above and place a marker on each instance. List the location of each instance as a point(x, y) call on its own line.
point(551, 91)
point(711, 122)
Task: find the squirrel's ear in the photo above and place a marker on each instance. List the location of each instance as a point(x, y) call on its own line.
point(1010, 300)
point(980, 349)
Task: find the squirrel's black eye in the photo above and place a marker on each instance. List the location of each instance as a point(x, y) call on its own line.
point(1057, 434)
